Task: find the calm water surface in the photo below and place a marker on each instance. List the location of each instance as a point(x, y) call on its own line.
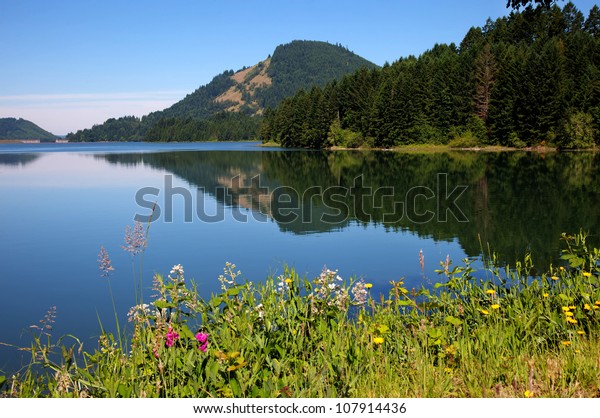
point(367, 214)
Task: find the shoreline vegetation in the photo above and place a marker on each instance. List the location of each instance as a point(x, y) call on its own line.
point(496, 332)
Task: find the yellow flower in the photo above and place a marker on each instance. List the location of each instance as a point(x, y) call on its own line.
point(565, 343)
point(288, 281)
point(378, 340)
point(572, 307)
point(448, 370)
point(571, 321)
point(451, 350)
point(586, 274)
point(484, 311)
point(495, 306)
point(561, 268)
point(528, 394)
point(554, 278)
point(580, 332)
point(597, 302)
point(546, 295)
point(587, 307)
point(490, 292)
point(566, 309)
point(568, 313)
point(368, 285)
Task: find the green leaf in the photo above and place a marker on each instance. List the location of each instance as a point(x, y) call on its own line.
point(454, 321)
point(124, 391)
point(2, 381)
point(383, 329)
point(235, 388)
point(187, 333)
point(161, 304)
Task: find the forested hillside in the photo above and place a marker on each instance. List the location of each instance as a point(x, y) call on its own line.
point(231, 105)
point(12, 128)
point(528, 79)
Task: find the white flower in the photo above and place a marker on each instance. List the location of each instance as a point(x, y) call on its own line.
point(177, 269)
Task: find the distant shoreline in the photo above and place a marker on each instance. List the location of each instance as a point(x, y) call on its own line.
point(411, 148)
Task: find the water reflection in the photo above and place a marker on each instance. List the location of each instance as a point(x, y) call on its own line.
point(516, 201)
point(18, 159)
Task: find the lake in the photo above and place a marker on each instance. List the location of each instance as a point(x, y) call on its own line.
point(366, 213)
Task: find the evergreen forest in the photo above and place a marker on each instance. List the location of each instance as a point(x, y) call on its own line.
point(528, 79)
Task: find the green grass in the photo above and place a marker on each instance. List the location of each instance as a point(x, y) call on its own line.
point(492, 333)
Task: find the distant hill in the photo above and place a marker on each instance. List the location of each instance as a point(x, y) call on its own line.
point(12, 128)
point(230, 106)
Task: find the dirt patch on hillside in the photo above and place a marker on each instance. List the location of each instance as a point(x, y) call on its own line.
point(247, 80)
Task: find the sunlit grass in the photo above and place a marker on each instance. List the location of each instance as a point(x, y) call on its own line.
point(493, 333)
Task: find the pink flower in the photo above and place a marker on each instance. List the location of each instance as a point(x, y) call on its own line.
point(203, 340)
point(171, 337)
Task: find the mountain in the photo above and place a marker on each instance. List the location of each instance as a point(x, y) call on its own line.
point(12, 128)
point(230, 106)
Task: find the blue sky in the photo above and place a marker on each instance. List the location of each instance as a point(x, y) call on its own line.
point(67, 65)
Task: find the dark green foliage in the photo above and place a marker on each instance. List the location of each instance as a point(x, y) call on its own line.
point(11, 128)
point(224, 126)
point(128, 128)
point(523, 76)
point(516, 4)
point(303, 64)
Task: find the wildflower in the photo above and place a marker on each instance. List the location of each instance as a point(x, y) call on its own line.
point(289, 281)
point(568, 313)
point(495, 306)
point(104, 263)
point(554, 278)
point(571, 320)
point(202, 338)
point(572, 307)
point(586, 274)
point(378, 340)
point(490, 292)
point(135, 239)
point(546, 295)
point(484, 311)
point(566, 343)
point(561, 268)
point(451, 350)
point(368, 285)
point(45, 326)
point(528, 394)
point(587, 307)
point(597, 303)
point(171, 337)
point(580, 332)
point(177, 269)
point(138, 312)
point(566, 309)
point(282, 284)
point(421, 260)
point(359, 292)
point(447, 370)
point(447, 265)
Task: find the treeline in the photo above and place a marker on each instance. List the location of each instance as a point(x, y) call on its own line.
point(528, 79)
point(127, 128)
point(224, 126)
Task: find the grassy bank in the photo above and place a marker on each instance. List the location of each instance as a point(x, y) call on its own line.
point(491, 333)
